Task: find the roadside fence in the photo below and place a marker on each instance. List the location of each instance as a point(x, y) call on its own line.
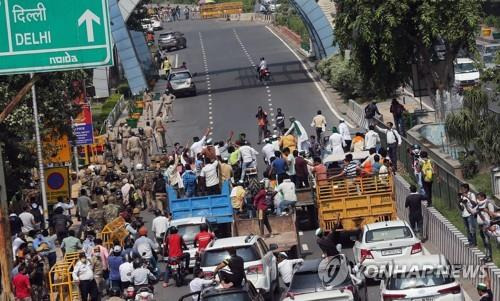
point(448, 239)
point(115, 114)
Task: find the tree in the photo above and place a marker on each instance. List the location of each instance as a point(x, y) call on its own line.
point(386, 36)
point(475, 127)
point(54, 95)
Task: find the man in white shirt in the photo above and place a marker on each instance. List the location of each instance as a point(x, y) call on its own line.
point(198, 143)
point(372, 139)
point(346, 135)
point(248, 157)
point(28, 220)
point(285, 267)
point(287, 192)
point(209, 172)
point(319, 123)
point(199, 283)
point(126, 269)
point(393, 141)
point(83, 274)
point(160, 225)
point(268, 150)
point(466, 204)
point(66, 206)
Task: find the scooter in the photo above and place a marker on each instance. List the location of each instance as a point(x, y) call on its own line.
point(264, 74)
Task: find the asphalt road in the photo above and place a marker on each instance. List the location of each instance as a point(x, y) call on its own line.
point(223, 55)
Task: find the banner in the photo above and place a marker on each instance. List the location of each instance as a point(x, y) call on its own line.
point(57, 183)
point(56, 150)
point(82, 124)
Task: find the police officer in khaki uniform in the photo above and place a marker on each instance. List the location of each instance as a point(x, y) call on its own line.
point(148, 104)
point(111, 138)
point(111, 209)
point(125, 133)
point(149, 133)
point(97, 215)
point(134, 148)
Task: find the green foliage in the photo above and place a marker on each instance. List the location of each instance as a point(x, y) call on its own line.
point(341, 75)
point(475, 127)
point(288, 17)
point(54, 99)
point(482, 182)
point(386, 36)
point(124, 89)
point(101, 111)
point(492, 21)
point(470, 166)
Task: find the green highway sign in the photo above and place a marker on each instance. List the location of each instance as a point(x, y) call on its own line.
point(51, 35)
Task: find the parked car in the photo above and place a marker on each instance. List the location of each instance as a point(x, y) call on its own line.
point(156, 23)
point(173, 39)
point(382, 242)
point(307, 284)
point(180, 82)
point(260, 263)
point(188, 228)
point(420, 278)
point(488, 53)
point(466, 73)
point(247, 292)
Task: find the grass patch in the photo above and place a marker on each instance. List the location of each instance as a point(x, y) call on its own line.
point(100, 111)
point(482, 182)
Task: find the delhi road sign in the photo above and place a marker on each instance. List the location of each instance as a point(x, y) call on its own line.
point(51, 35)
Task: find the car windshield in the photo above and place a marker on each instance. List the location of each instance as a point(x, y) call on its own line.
point(168, 35)
point(304, 282)
point(419, 279)
point(390, 233)
point(180, 76)
point(214, 257)
point(465, 68)
point(188, 232)
point(239, 296)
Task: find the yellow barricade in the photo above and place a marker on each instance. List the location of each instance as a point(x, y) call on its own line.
point(61, 283)
point(115, 230)
point(221, 9)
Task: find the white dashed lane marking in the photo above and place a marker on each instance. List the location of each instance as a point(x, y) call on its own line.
point(207, 77)
point(252, 63)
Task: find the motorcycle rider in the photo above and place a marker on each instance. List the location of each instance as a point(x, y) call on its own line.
point(175, 244)
point(145, 247)
point(262, 67)
point(203, 238)
point(141, 275)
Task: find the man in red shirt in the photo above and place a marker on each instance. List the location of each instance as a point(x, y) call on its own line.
point(175, 244)
point(260, 203)
point(22, 287)
point(203, 238)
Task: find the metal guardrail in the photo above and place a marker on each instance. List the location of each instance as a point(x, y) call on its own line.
point(447, 238)
point(115, 114)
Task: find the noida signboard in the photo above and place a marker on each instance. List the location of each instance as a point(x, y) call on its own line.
point(51, 35)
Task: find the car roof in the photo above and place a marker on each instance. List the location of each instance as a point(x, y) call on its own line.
point(213, 291)
point(237, 241)
point(419, 262)
point(464, 60)
point(380, 225)
point(188, 220)
point(179, 70)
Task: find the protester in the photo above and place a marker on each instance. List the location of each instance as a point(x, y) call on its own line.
point(287, 192)
point(397, 111)
point(414, 204)
point(370, 111)
point(259, 202)
point(427, 169)
point(319, 124)
point(286, 267)
point(83, 274)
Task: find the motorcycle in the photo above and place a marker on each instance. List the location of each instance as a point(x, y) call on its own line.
point(144, 294)
point(264, 74)
point(176, 266)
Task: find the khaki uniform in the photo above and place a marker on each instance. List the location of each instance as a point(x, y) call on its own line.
point(134, 149)
point(111, 212)
point(168, 105)
point(125, 133)
point(97, 215)
point(160, 131)
point(111, 137)
point(149, 132)
point(148, 105)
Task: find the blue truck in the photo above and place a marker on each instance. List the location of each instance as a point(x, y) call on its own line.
point(217, 209)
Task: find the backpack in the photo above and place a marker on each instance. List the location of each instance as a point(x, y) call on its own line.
point(427, 170)
point(369, 111)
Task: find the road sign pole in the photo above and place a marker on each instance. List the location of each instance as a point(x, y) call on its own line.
point(39, 154)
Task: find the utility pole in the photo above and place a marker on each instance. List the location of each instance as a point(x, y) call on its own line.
point(5, 237)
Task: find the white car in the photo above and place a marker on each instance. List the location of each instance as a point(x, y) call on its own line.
point(188, 228)
point(147, 24)
point(384, 241)
point(156, 23)
point(466, 73)
point(260, 263)
point(423, 278)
